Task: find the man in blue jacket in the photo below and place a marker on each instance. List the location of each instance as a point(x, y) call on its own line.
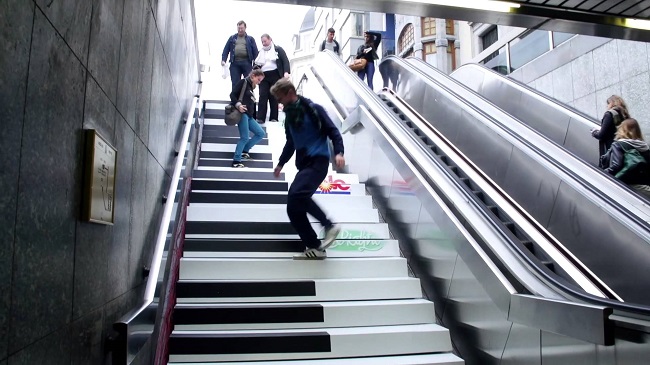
point(242, 50)
point(307, 127)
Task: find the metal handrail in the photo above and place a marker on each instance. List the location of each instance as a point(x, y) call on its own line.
point(143, 314)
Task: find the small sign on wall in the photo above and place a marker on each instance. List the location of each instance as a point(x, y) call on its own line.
point(99, 180)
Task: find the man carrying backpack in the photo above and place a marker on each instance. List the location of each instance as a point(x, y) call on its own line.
point(307, 127)
point(331, 43)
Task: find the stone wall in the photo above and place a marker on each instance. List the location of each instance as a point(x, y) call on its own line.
point(129, 69)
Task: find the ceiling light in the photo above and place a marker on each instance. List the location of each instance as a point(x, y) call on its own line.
point(637, 23)
point(501, 6)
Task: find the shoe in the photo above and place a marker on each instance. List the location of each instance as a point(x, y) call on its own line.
point(246, 156)
point(311, 254)
point(330, 236)
point(273, 120)
point(237, 164)
point(259, 121)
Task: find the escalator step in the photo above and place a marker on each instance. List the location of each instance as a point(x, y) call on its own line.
point(529, 245)
point(549, 264)
point(479, 194)
point(510, 225)
point(466, 181)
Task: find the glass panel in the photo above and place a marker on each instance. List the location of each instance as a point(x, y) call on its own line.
point(497, 61)
point(450, 26)
point(559, 38)
point(528, 47)
point(357, 21)
point(428, 26)
point(489, 38)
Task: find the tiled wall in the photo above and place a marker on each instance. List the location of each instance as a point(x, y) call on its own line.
point(129, 69)
point(585, 78)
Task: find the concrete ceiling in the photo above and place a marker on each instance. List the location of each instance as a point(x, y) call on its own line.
point(603, 18)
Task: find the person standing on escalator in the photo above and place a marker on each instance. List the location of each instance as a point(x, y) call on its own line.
point(368, 51)
point(615, 114)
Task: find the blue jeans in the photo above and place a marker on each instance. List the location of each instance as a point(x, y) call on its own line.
point(300, 202)
point(369, 71)
point(246, 125)
point(239, 69)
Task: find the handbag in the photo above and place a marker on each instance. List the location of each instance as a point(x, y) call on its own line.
point(358, 64)
point(233, 116)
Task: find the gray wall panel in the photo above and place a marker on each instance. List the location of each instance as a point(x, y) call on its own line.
point(560, 350)
point(50, 169)
point(71, 18)
point(131, 55)
point(523, 346)
point(87, 339)
point(104, 47)
point(53, 349)
point(16, 17)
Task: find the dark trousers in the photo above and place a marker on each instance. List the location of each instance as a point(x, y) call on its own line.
point(300, 202)
point(368, 72)
point(239, 69)
point(270, 78)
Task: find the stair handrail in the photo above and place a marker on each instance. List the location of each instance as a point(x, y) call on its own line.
point(132, 331)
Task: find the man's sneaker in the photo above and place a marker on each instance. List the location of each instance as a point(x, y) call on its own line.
point(273, 120)
point(260, 121)
point(311, 254)
point(238, 165)
point(330, 236)
point(245, 156)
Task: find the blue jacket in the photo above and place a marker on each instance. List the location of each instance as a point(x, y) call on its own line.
point(311, 139)
point(251, 47)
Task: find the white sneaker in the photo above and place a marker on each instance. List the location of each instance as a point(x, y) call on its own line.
point(330, 236)
point(311, 254)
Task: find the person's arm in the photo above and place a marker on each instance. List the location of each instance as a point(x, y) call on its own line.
point(376, 40)
point(338, 48)
point(254, 48)
point(288, 149)
point(236, 91)
point(616, 159)
point(286, 65)
point(330, 129)
point(607, 127)
point(226, 50)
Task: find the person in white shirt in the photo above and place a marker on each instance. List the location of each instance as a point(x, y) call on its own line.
point(331, 43)
point(273, 61)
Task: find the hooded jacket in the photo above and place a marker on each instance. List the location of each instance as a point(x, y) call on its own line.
point(614, 160)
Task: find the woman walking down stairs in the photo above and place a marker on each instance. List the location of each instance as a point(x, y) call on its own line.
point(242, 299)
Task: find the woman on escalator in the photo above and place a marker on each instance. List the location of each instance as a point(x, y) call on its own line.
point(628, 159)
point(615, 114)
point(368, 51)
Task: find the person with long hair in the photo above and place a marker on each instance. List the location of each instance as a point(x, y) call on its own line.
point(368, 51)
point(616, 113)
point(628, 135)
point(247, 123)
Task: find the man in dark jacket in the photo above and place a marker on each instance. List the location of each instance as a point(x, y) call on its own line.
point(307, 127)
point(242, 50)
point(331, 43)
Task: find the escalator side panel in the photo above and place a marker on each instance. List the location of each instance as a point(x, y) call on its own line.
point(578, 141)
point(609, 250)
point(546, 120)
point(525, 183)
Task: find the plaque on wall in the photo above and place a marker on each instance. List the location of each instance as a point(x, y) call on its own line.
point(99, 181)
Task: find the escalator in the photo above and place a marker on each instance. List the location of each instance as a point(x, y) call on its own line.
point(476, 228)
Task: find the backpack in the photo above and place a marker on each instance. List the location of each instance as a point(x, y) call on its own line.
point(634, 163)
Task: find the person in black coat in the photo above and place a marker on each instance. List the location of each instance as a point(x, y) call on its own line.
point(629, 136)
point(273, 61)
point(615, 114)
point(247, 122)
point(368, 51)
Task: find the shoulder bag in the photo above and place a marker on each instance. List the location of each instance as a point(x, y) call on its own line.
point(233, 116)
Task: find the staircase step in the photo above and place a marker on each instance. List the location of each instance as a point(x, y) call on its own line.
point(336, 200)
point(220, 147)
point(272, 213)
point(249, 316)
point(427, 359)
point(286, 269)
point(307, 343)
point(286, 248)
point(232, 141)
point(238, 185)
point(279, 230)
point(264, 291)
point(228, 163)
point(237, 174)
point(222, 131)
point(229, 154)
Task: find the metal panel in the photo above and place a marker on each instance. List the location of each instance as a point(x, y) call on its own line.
point(585, 322)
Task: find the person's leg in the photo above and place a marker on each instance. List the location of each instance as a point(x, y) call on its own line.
point(362, 74)
point(273, 102)
point(258, 134)
point(246, 68)
point(265, 91)
point(299, 199)
point(243, 136)
point(370, 73)
point(235, 73)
